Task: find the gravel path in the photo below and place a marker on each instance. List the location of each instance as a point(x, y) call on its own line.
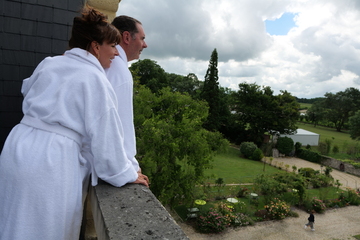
point(342, 223)
point(334, 224)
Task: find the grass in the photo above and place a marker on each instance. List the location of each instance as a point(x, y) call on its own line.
point(323, 193)
point(233, 169)
point(328, 133)
point(340, 139)
point(305, 105)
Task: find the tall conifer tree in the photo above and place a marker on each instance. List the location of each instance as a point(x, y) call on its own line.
point(211, 94)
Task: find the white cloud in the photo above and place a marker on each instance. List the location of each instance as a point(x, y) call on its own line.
point(320, 54)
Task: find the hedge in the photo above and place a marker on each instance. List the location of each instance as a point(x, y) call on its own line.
point(309, 155)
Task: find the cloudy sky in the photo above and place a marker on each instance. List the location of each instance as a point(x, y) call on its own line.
point(307, 47)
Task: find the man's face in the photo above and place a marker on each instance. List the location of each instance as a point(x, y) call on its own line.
point(137, 44)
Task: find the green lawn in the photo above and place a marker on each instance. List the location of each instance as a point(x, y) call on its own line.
point(305, 105)
point(233, 169)
point(327, 133)
point(340, 139)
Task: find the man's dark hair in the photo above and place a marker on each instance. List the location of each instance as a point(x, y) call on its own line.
point(125, 23)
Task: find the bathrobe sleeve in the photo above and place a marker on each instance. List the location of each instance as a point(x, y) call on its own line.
point(106, 135)
point(110, 161)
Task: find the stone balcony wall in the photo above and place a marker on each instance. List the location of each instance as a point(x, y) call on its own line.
point(131, 212)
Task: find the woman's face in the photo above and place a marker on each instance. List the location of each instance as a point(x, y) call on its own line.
point(107, 52)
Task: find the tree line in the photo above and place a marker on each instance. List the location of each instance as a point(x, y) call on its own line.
point(339, 110)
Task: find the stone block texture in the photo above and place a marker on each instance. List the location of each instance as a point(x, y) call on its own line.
point(30, 30)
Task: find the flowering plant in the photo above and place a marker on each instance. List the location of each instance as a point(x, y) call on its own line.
point(353, 196)
point(318, 205)
point(212, 222)
point(277, 209)
point(240, 219)
point(225, 209)
point(235, 218)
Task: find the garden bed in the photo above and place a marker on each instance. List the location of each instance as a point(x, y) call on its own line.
point(274, 200)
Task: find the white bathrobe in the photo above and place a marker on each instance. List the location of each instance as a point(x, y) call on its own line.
point(121, 79)
point(68, 101)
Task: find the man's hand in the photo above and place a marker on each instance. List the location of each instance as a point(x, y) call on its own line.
point(142, 179)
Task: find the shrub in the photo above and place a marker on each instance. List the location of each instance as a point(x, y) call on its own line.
point(243, 191)
point(293, 214)
point(307, 172)
point(225, 208)
point(342, 201)
point(328, 145)
point(219, 182)
point(240, 207)
point(247, 149)
point(257, 155)
point(235, 219)
point(300, 190)
point(318, 205)
point(240, 219)
point(353, 197)
point(212, 222)
point(333, 203)
point(320, 180)
point(285, 145)
point(297, 146)
point(322, 148)
point(309, 155)
point(277, 209)
point(335, 149)
point(328, 170)
point(262, 214)
point(269, 187)
point(267, 148)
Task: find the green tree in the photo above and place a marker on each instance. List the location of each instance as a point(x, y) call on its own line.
point(317, 112)
point(354, 126)
point(185, 84)
point(211, 94)
point(150, 74)
point(262, 112)
point(173, 147)
point(286, 113)
point(341, 106)
point(228, 126)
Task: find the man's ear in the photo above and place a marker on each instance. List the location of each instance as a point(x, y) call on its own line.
point(126, 36)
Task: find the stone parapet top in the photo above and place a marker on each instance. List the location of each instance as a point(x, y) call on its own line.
point(131, 212)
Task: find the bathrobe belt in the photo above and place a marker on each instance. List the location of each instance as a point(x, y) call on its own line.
point(55, 128)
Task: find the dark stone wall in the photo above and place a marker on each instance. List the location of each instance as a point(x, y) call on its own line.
point(30, 30)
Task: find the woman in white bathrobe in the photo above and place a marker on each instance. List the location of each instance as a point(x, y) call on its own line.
point(69, 112)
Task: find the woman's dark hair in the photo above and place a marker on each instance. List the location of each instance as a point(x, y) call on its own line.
point(91, 26)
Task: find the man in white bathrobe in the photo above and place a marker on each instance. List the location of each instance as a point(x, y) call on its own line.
point(119, 75)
